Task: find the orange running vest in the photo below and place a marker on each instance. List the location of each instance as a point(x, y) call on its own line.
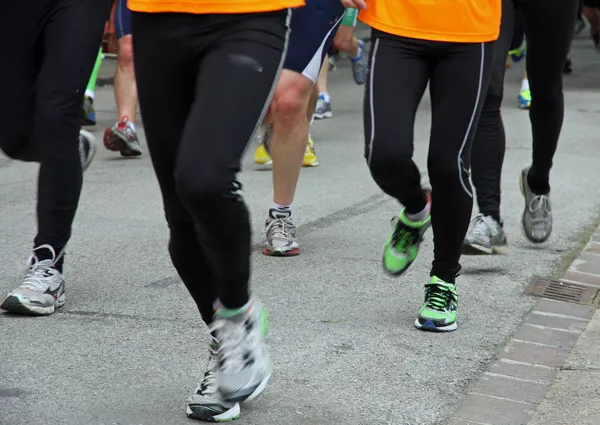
point(212, 6)
point(463, 21)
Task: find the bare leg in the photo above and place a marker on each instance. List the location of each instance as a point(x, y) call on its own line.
point(125, 86)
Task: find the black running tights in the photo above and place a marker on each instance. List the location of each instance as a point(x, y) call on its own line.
point(458, 75)
point(204, 82)
point(48, 52)
point(549, 28)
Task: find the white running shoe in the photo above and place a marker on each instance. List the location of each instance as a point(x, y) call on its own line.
point(244, 367)
point(42, 290)
point(207, 404)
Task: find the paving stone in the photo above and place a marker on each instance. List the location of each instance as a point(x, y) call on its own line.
point(494, 411)
point(564, 308)
point(510, 388)
point(531, 353)
point(538, 373)
point(553, 337)
point(593, 247)
point(586, 263)
point(540, 319)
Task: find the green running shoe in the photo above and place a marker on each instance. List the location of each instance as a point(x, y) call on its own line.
point(439, 311)
point(402, 245)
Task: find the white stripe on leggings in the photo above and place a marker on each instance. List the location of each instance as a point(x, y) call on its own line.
point(371, 104)
point(475, 107)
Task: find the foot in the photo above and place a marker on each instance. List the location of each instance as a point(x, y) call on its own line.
point(207, 403)
point(518, 54)
point(280, 234)
point(360, 64)
point(42, 290)
point(485, 236)
point(87, 148)
point(88, 114)
point(122, 138)
point(402, 245)
point(537, 215)
point(323, 109)
point(438, 313)
point(524, 99)
point(262, 157)
point(244, 368)
point(310, 157)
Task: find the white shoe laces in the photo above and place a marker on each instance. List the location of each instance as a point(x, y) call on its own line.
point(232, 342)
point(36, 274)
point(279, 228)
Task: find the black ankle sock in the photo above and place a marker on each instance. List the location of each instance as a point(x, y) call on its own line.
point(45, 254)
point(538, 184)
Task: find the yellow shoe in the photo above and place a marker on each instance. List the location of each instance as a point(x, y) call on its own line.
point(310, 158)
point(261, 156)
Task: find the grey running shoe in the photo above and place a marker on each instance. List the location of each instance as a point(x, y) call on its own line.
point(485, 236)
point(359, 66)
point(121, 138)
point(537, 215)
point(87, 148)
point(323, 109)
point(244, 368)
point(42, 290)
point(206, 403)
point(280, 234)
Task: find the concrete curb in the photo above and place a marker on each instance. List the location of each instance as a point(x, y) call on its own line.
point(511, 389)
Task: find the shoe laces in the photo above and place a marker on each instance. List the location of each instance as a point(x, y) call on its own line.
point(279, 228)
point(233, 342)
point(208, 385)
point(439, 296)
point(124, 128)
point(37, 272)
point(540, 206)
point(403, 234)
point(482, 226)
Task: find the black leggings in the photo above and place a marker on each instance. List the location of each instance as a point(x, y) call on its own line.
point(204, 83)
point(47, 59)
point(549, 26)
point(458, 75)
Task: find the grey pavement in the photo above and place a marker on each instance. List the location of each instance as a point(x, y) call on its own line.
point(129, 346)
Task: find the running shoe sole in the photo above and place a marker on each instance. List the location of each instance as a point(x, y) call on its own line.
point(430, 327)
point(476, 249)
point(324, 115)
point(13, 304)
point(92, 153)
point(246, 396)
point(278, 252)
point(204, 413)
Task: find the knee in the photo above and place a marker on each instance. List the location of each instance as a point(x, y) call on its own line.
point(447, 167)
point(202, 184)
point(290, 101)
point(387, 158)
point(125, 60)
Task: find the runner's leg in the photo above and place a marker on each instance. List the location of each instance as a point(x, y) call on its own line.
point(122, 136)
point(549, 29)
point(238, 75)
point(486, 235)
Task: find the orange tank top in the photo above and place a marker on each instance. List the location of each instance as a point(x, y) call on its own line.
point(212, 6)
point(462, 21)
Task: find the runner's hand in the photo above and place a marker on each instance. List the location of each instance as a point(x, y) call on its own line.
point(355, 4)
